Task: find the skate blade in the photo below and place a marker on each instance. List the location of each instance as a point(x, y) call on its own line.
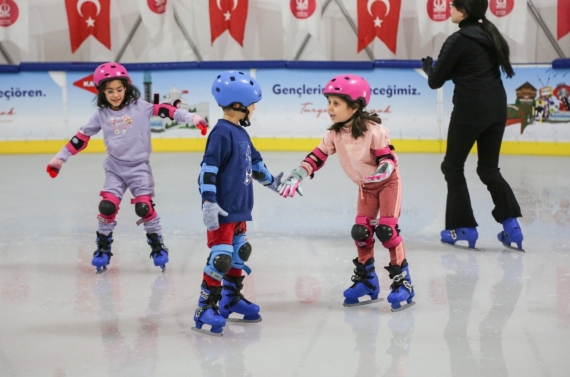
point(514, 248)
point(404, 307)
point(100, 270)
point(207, 332)
point(362, 303)
point(241, 320)
point(460, 246)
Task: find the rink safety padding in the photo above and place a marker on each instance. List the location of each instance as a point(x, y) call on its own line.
point(43, 104)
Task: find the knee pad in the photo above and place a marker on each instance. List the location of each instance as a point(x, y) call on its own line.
point(242, 251)
point(219, 261)
point(388, 232)
point(363, 231)
point(108, 207)
point(144, 208)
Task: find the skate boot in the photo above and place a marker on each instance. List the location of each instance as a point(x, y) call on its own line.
point(159, 252)
point(450, 237)
point(208, 312)
point(102, 256)
point(511, 233)
point(233, 302)
point(401, 288)
point(365, 284)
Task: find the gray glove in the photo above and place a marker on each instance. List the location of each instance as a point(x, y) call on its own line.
point(276, 182)
point(210, 213)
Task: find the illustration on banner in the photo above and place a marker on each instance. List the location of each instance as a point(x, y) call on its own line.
point(545, 105)
point(176, 98)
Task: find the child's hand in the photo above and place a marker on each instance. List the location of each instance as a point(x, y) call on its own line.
point(210, 213)
point(54, 166)
point(276, 182)
point(293, 183)
point(201, 123)
point(383, 172)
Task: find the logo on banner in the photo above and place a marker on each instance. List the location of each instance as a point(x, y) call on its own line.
point(87, 84)
point(378, 18)
point(228, 15)
point(303, 9)
point(157, 6)
point(89, 17)
point(438, 10)
point(8, 13)
point(501, 8)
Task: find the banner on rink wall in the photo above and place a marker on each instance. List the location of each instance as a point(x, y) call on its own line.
point(43, 106)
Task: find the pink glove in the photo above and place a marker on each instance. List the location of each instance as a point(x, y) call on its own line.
point(54, 166)
point(293, 183)
point(383, 172)
point(201, 123)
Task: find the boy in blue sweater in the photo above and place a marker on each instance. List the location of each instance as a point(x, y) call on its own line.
point(229, 166)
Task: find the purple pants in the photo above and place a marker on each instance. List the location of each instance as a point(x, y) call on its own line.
point(138, 179)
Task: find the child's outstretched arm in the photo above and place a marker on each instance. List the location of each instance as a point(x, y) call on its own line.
point(164, 110)
point(386, 161)
point(313, 162)
point(75, 145)
point(263, 176)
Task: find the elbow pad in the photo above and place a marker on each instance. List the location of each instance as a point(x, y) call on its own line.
point(316, 159)
point(78, 143)
point(386, 152)
point(164, 110)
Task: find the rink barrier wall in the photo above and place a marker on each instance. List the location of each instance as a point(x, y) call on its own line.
point(282, 145)
point(262, 143)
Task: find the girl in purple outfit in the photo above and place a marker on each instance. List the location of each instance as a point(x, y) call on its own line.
point(124, 119)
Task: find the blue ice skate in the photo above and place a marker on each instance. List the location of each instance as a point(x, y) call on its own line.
point(450, 237)
point(102, 256)
point(233, 302)
point(365, 284)
point(401, 289)
point(159, 252)
point(208, 312)
point(511, 233)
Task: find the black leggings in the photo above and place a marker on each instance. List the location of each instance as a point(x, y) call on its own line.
point(460, 140)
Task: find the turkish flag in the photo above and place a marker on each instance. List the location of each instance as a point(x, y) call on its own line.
point(563, 18)
point(89, 17)
point(228, 15)
point(378, 18)
point(87, 84)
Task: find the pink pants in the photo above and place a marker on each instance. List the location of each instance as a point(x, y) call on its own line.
point(385, 198)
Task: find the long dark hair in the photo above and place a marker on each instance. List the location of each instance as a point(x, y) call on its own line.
point(360, 119)
point(131, 93)
point(475, 10)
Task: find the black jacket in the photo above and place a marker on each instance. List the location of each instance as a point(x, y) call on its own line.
point(468, 59)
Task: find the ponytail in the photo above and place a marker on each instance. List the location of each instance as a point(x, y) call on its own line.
point(501, 47)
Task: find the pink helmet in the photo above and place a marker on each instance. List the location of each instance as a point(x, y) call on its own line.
point(108, 71)
point(353, 87)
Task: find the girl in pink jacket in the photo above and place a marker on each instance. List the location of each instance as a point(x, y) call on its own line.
point(366, 156)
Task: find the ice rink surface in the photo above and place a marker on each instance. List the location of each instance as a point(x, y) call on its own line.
point(491, 313)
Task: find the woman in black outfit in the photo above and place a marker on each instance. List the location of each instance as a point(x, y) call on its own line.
point(473, 58)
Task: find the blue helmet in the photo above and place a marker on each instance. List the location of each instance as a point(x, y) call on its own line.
point(235, 87)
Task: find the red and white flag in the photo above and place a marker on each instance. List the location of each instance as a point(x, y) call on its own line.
point(302, 15)
point(563, 18)
point(87, 84)
point(14, 25)
point(509, 16)
point(155, 13)
point(88, 17)
point(434, 17)
point(228, 15)
point(378, 18)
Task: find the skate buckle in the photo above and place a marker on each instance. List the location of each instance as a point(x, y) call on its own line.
point(453, 234)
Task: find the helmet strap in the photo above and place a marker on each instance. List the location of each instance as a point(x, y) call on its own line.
point(245, 121)
point(357, 112)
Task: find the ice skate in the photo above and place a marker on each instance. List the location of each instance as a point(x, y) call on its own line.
point(102, 256)
point(365, 284)
point(233, 302)
point(450, 237)
point(401, 288)
point(511, 233)
point(159, 252)
point(208, 312)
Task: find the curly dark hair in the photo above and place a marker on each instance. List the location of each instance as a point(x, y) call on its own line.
point(132, 94)
point(359, 119)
